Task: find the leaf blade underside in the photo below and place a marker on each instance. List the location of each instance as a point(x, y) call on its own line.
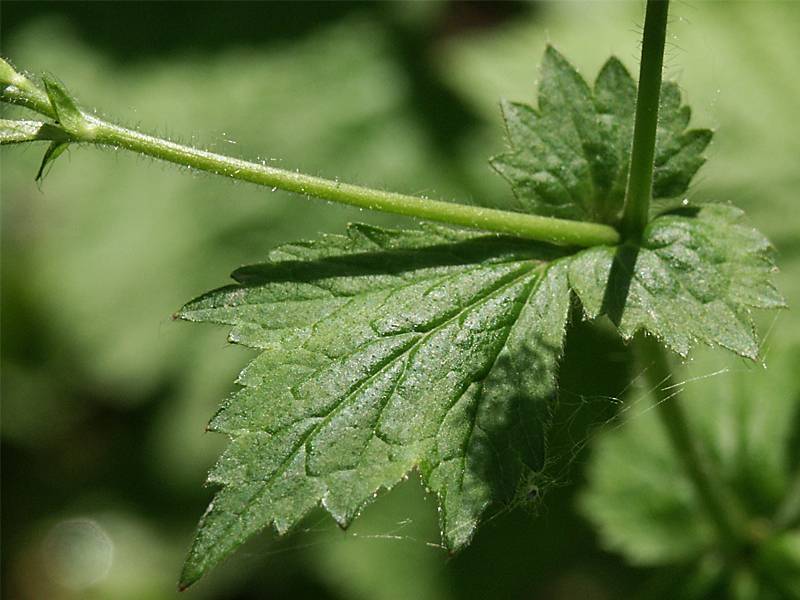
point(382, 381)
point(693, 279)
point(569, 158)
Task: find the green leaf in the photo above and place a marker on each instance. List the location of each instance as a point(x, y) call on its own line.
point(383, 351)
point(7, 73)
point(16, 131)
point(779, 560)
point(639, 496)
point(569, 158)
point(678, 151)
point(694, 279)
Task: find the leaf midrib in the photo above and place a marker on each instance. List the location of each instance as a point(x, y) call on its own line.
point(317, 426)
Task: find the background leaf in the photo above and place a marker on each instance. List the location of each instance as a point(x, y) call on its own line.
point(749, 418)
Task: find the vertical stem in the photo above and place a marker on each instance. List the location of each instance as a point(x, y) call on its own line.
point(720, 507)
point(640, 174)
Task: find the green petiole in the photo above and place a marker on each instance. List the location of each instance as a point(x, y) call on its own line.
point(81, 127)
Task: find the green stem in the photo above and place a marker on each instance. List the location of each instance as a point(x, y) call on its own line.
point(18, 89)
point(559, 231)
point(721, 508)
point(640, 177)
point(90, 129)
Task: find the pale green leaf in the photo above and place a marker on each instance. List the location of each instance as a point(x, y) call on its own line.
point(7, 73)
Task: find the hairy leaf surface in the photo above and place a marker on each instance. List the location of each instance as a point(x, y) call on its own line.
point(569, 158)
point(694, 278)
point(382, 352)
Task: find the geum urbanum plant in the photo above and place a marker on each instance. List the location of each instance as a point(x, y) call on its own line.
point(383, 351)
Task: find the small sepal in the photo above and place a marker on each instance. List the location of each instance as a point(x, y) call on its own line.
point(67, 112)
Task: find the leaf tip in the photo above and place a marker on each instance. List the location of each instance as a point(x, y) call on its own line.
point(54, 150)
point(190, 574)
point(185, 312)
point(615, 70)
point(553, 59)
point(702, 136)
point(614, 62)
point(550, 50)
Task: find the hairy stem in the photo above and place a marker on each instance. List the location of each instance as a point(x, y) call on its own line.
point(640, 174)
point(721, 507)
point(535, 227)
point(18, 89)
point(724, 512)
point(86, 128)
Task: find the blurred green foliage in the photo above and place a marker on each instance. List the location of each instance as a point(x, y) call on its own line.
point(105, 399)
point(644, 505)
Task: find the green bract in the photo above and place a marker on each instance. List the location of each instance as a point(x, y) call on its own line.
point(386, 351)
point(13, 131)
